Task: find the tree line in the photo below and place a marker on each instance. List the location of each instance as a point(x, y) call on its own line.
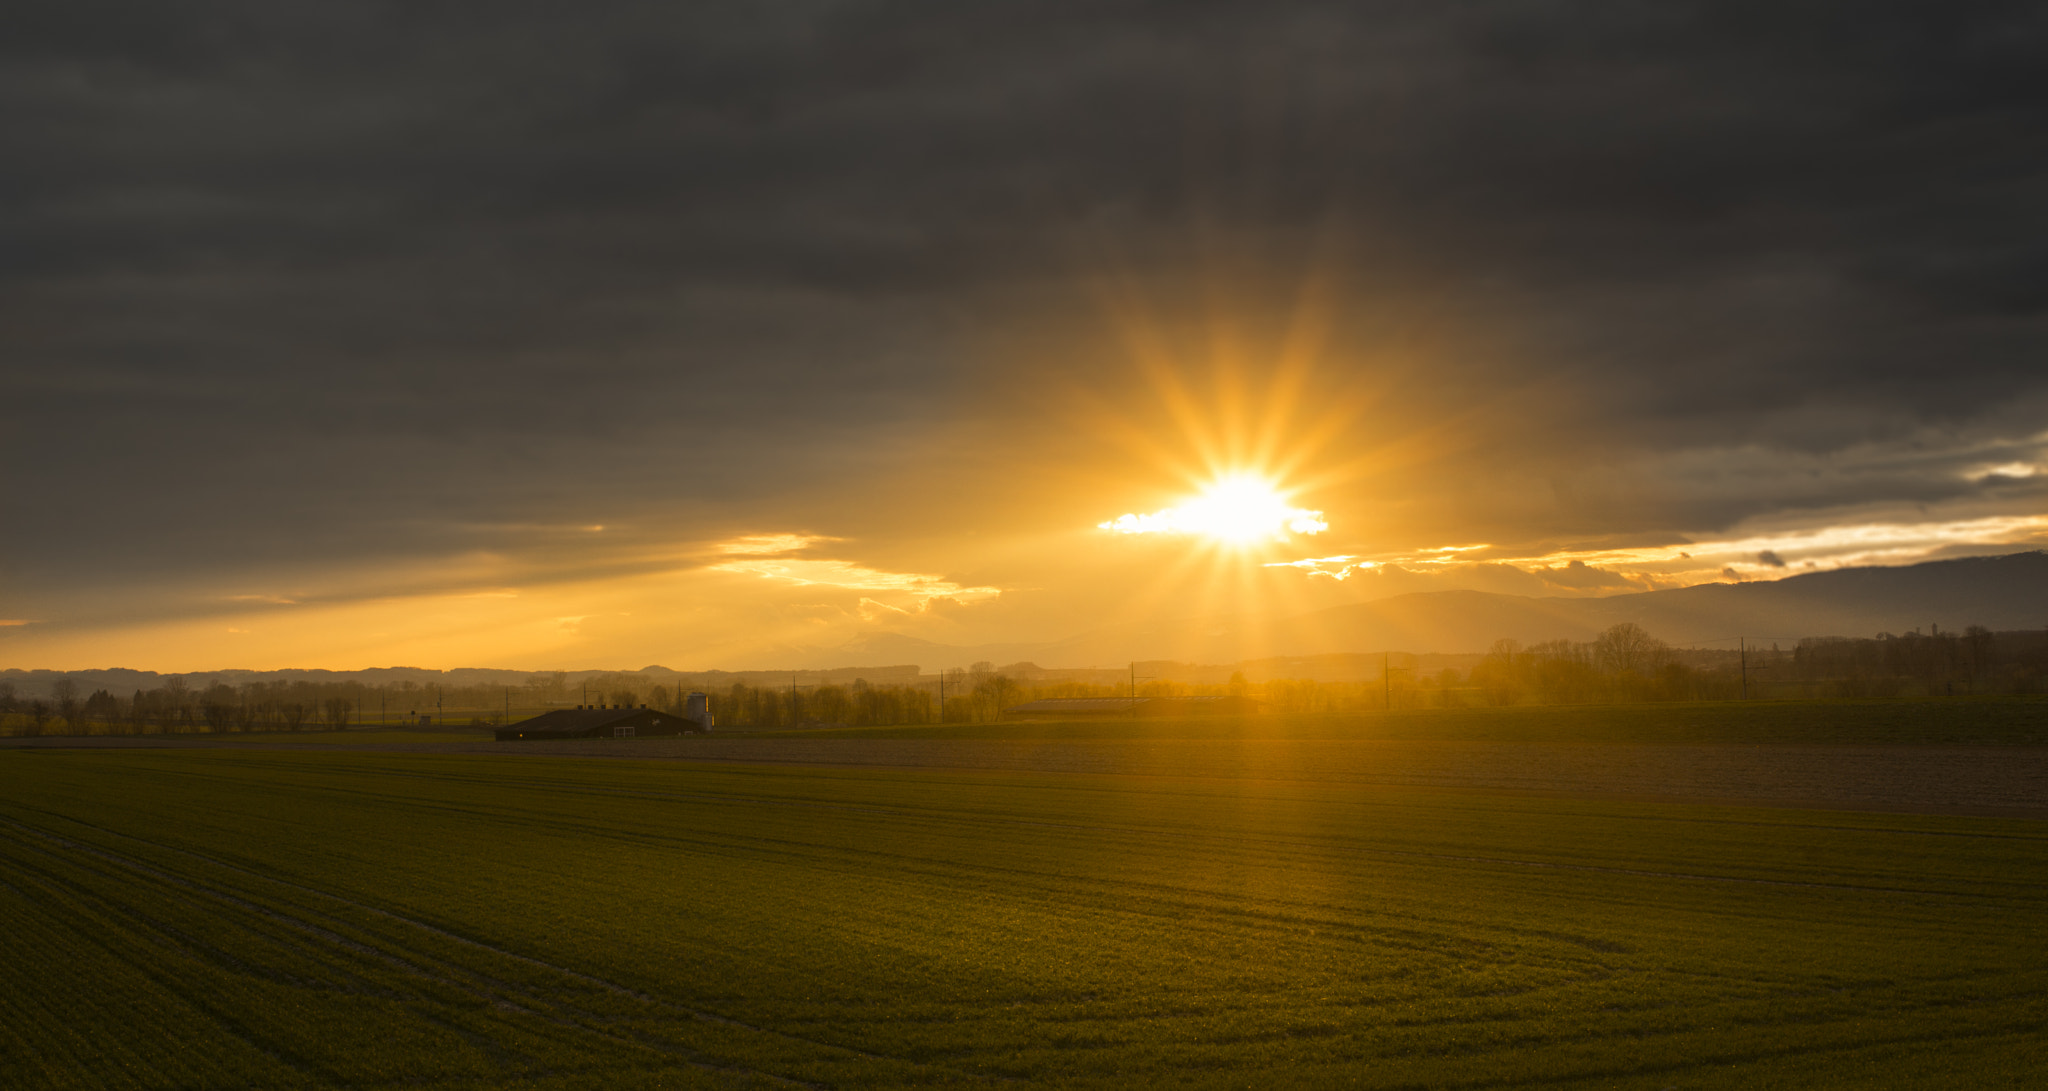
point(976, 694)
point(181, 707)
point(1936, 663)
point(1625, 663)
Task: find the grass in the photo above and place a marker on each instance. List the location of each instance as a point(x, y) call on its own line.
point(230, 917)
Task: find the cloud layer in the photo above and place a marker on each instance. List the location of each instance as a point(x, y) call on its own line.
point(395, 303)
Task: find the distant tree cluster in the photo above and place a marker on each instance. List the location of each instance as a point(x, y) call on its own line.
point(180, 706)
point(975, 695)
point(1975, 660)
point(175, 707)
point(1624, 663)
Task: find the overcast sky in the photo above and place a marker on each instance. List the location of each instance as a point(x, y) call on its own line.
point(610, 334)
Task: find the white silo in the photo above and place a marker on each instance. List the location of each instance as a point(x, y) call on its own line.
point(697, 706)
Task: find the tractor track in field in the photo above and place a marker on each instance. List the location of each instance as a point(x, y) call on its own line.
point(720, 799)
point(151, 928)
point(505, 990)
point(715, 799)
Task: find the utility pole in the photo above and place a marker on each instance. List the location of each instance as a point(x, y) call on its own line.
point(1387, 680)
point(437, 705)
point(1742, 650)
point(508, 704)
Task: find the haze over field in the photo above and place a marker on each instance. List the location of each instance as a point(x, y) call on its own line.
point(713, 337)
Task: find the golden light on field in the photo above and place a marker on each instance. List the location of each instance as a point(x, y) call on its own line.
point(1238, 509)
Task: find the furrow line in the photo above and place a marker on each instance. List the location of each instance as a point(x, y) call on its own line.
point(453, 937)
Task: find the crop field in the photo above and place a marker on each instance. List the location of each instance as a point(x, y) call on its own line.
point(246, 917)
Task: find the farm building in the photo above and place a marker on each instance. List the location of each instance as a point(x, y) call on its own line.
point(1132, 706)
point(599, 722)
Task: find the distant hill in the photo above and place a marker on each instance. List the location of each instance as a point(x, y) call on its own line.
point(2009, 592)
point(2002, 593)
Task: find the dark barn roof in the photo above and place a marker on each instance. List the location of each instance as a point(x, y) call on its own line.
point(597, 723)
point(1135, 706)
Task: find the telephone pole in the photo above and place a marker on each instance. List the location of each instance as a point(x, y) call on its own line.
point(1742, 651)
point(1387, 680)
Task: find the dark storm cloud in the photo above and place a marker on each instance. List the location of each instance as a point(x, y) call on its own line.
point(288, 280)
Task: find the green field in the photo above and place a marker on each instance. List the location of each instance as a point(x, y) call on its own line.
point(200, 918)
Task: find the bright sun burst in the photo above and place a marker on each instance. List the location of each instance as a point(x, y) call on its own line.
point(1239, 509)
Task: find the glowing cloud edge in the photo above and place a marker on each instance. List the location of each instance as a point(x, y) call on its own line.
point(1234, 509)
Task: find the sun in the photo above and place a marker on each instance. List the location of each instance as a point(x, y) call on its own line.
point(1237, 509)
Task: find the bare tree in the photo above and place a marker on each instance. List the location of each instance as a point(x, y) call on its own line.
point(1627, 648)
point(1977, 649)
point(337, 710)
point(65, 693)
point(220, 706)
point(176, 702)
point(249, 711)
point(996, 692)
point(1496, 676)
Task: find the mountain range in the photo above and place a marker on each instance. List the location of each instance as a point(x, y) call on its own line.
point(2000, 593)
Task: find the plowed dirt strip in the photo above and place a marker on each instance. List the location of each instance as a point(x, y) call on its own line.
point(2002, 780)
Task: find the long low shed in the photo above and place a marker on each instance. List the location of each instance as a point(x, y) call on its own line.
point(1133, 706)
point(616, 722)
